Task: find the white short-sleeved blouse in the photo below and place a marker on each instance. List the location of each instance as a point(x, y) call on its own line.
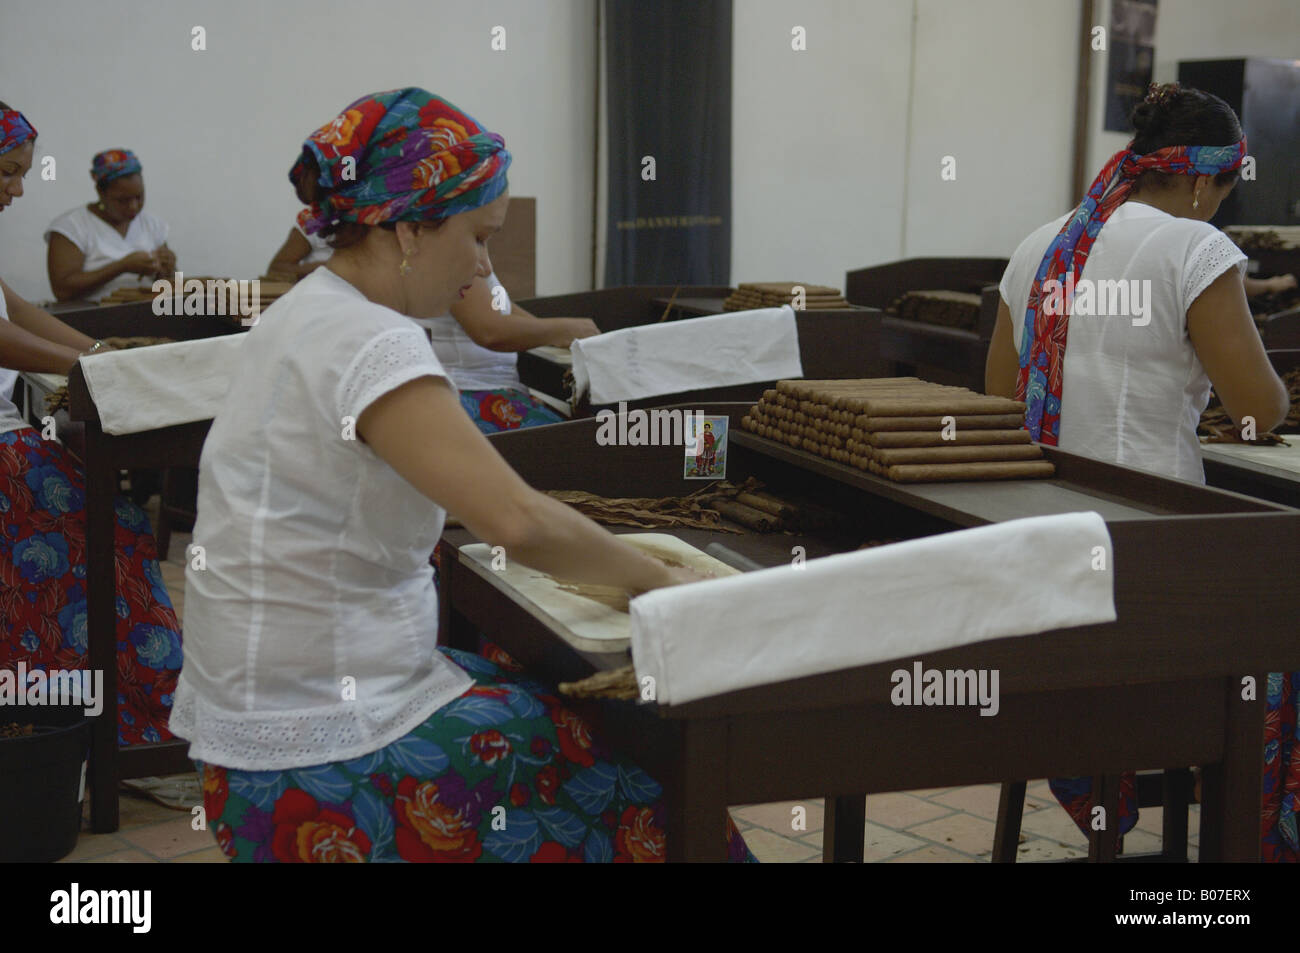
point(102, 244)
point(310, 635)
point(1133, 394)
point(10, 418)
point(471, 365)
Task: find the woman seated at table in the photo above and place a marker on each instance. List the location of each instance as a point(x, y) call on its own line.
point(326, 722)
point(112, 242)
point(477, 343)
point(299, 256)
point(1131, 387)
point(43, 532)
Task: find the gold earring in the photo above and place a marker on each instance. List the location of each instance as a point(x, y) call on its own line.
point(404, 269)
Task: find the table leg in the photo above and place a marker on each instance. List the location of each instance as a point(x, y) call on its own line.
point(1011, 811)
point(101, 626)
point(1233, 791)
point(695, 794)
point(845, 831)
point(1103, 844)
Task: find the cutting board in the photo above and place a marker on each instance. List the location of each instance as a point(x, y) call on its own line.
point(560, 355)
point(1269, 455)
point(591, 623)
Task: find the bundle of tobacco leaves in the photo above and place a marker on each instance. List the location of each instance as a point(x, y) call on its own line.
point(15, 730)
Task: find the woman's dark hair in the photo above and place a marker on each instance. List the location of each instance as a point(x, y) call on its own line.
point(1174, 115)
point(344, 234)
point(5, 106)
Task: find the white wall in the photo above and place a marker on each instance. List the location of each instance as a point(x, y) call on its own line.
point(836, 149)
point(818, 137)
point(1196, 30)
point(218, 130)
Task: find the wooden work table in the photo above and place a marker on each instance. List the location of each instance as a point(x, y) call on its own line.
point(1203, 589)
point(832, 344)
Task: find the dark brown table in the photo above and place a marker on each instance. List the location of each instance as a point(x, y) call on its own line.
point(1204, 585)
point(832, 344)
point(103, 456)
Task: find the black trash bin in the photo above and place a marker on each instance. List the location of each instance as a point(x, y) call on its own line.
point(42, 782)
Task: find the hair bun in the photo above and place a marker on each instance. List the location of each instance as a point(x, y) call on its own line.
point(1146, 117)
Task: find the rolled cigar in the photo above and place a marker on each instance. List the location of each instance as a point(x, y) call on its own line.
point(934, 407)
point(985, 454)
point(914, 438)
point(950, 472)
point(963, 421)
point(746, 516)
point(773, 507)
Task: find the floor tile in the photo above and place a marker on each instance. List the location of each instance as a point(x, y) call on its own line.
point(964, 832)
point(169, 839)
point(94, 845)
point(932, 855)
point(981, 799)
point(210, 855)
point(1054, 824)
point(124, 857)
point(770, 848)
point(780, 817)
point(899, 811)
point(1039, 850)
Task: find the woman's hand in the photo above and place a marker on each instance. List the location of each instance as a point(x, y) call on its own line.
point(166, 261)
point(1281, 283)
point(143, 263)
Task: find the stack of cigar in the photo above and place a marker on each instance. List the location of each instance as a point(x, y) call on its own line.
point(902, 428)
point(267, 291)
point(949, 309)
point(774, 294)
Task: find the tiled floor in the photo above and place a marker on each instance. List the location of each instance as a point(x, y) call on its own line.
point(942, 825)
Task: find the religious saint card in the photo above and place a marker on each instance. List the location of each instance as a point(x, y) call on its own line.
point(706, 447)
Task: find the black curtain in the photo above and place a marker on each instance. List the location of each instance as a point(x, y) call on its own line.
point(668, 92)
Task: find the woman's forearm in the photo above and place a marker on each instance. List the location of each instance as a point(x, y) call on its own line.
point(20, 350)
point(43, 324)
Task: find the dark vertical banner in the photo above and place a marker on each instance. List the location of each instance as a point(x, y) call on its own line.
point(668, 96)
point(1130, 61)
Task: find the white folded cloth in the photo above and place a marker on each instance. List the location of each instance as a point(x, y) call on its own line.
point(891, 602)
point(162, 385)
point(717, 351)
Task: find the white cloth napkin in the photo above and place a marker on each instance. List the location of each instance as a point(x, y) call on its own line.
point(891, 602)
point(716, 351)
point(163, 385)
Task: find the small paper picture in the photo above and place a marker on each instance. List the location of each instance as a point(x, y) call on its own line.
point(706, 448)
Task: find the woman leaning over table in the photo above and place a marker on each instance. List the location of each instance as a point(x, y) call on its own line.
point(326, 722)
point(1130, 388)
point(43, 519)
point(477, 344)
point(112, 242)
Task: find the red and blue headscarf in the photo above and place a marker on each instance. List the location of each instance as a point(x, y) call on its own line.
point(1042, 346)
point(113, 164)
point(404, 155)
point(14, 130)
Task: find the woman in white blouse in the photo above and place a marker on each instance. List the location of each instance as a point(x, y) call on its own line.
point(1165, 316)
point(327, 723)
point(112, 242)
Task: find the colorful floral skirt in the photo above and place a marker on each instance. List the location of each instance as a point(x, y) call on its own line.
point(504, 773)
point(506, 409)
point(1279, 837)
point(43, 585)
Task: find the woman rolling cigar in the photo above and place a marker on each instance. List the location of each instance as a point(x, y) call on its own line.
point(477, 343)
point(326, 723)
point(112, 242)
point(299, 256)
point(42, 535)
point(1131, 387)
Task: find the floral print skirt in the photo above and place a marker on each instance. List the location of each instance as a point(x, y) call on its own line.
point(1279, 838)
point(43, 585)
point(506, 409)
point(505, 773)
